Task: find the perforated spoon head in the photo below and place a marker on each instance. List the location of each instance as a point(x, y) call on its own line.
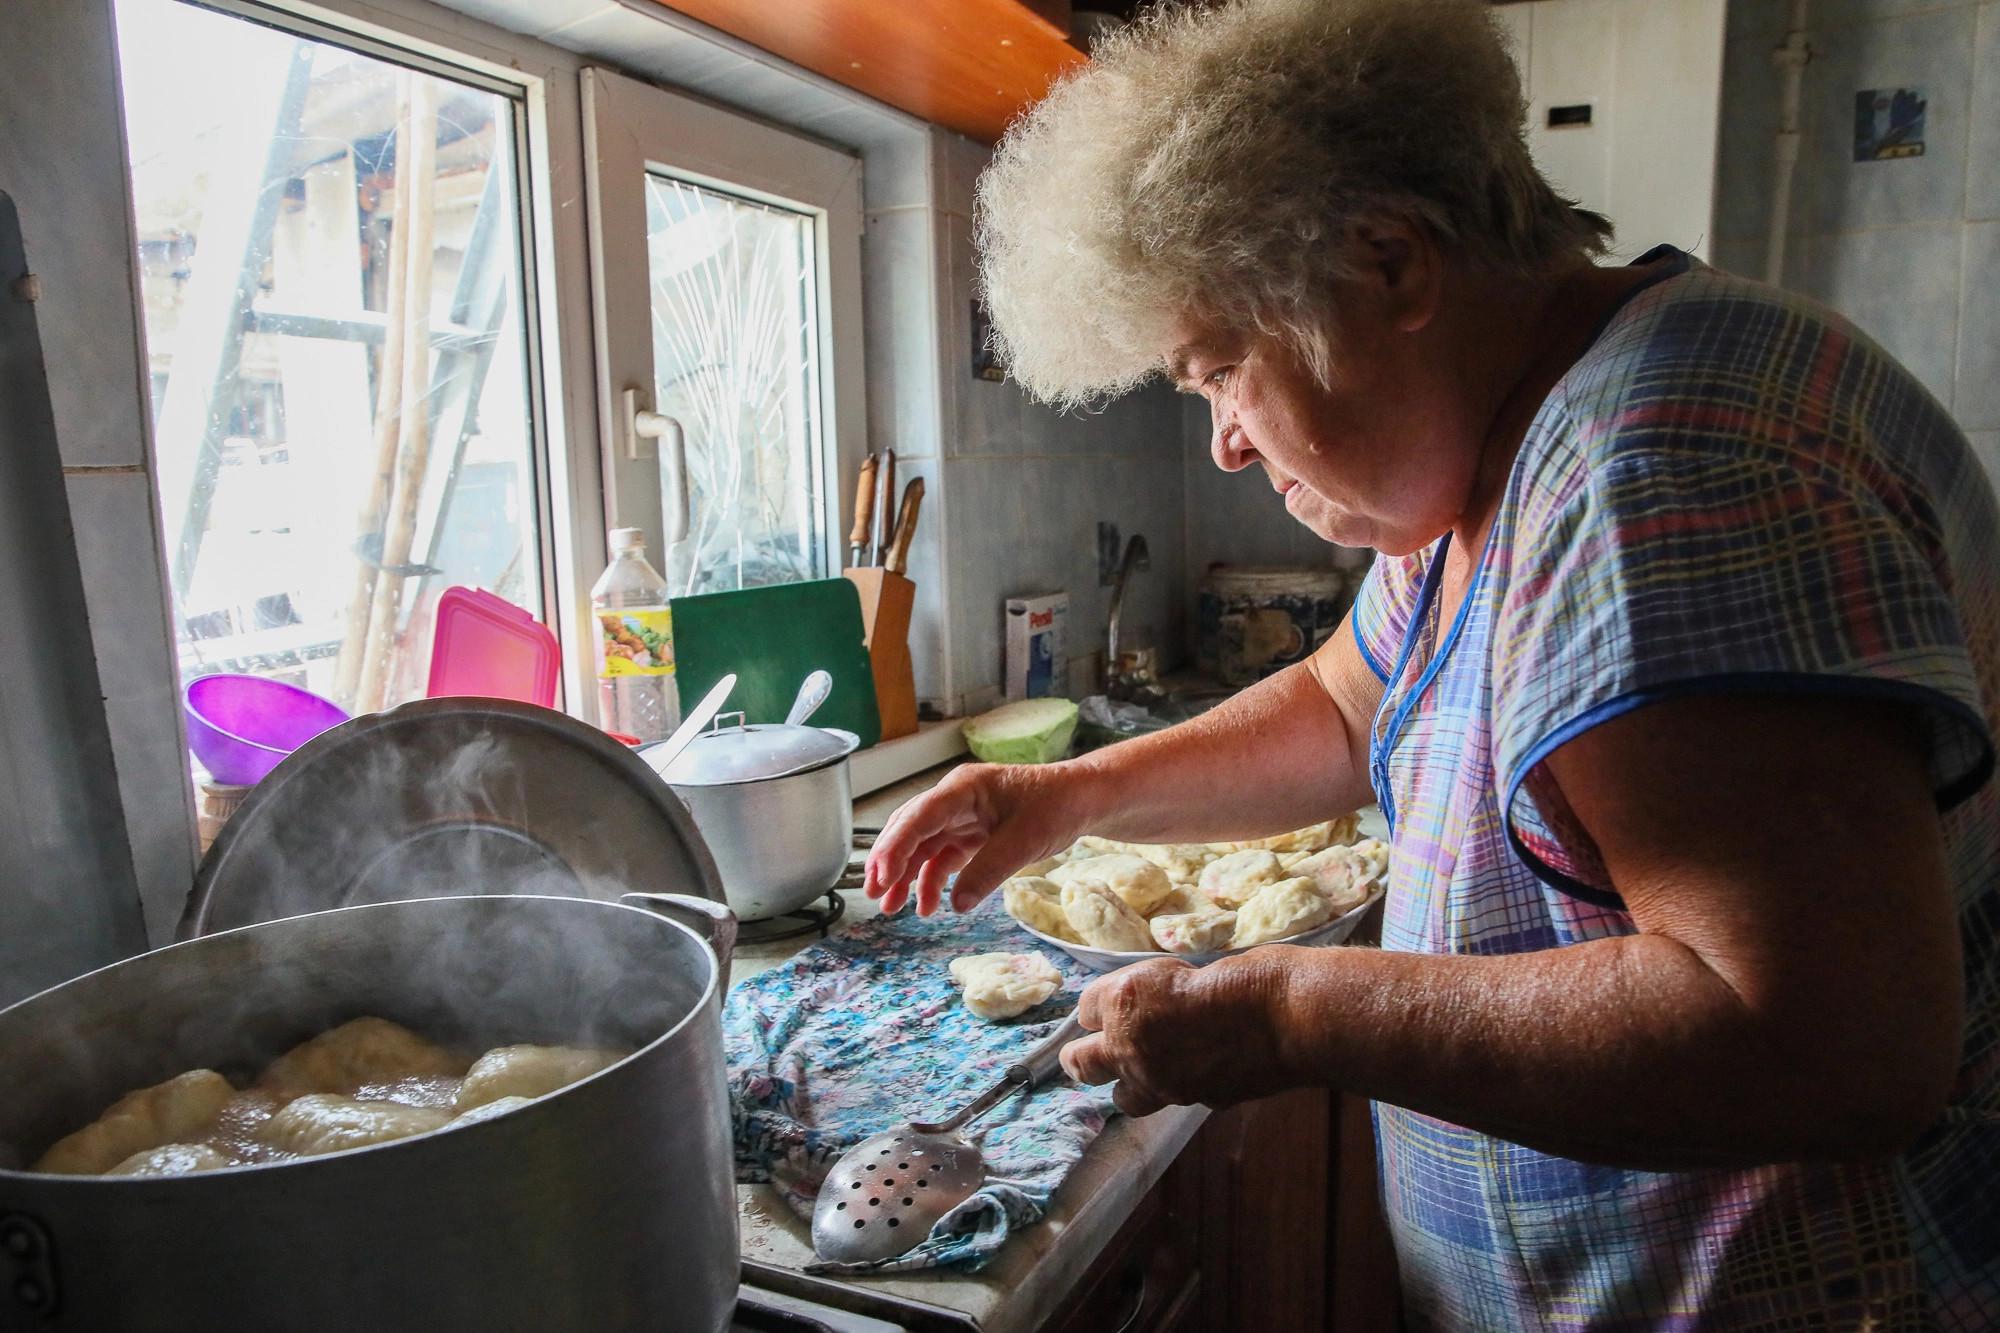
point(885, 1193)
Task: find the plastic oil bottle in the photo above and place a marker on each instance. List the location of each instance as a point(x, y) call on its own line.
point(636, 691)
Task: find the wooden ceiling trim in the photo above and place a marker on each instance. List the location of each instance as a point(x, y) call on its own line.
point(970, 65)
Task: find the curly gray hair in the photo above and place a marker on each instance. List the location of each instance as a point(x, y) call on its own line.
point(1212, 163)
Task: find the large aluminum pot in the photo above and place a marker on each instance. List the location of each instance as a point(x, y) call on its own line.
point(779, 841)
point(608, 1205)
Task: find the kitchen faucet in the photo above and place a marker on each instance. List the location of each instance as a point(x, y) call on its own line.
point(1136, 557)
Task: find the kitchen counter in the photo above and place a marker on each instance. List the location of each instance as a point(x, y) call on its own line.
point(1038, 1268)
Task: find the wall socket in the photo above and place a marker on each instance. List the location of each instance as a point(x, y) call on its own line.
point(1107, 554)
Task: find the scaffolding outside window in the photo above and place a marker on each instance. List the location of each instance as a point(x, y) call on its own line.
point(736, 361)
point(334, 308)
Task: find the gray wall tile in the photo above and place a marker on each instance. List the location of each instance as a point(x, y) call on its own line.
point(1977, 401)
point(1900, 285)
point(1982, 176)
point(1931, 50)
point(1986, 444)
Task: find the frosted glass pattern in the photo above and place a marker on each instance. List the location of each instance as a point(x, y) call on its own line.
point(735, 360)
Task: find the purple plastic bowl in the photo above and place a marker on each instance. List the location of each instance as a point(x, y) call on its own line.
point(240, 727)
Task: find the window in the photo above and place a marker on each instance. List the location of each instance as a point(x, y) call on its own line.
point(735, 361)
point(747, 332)
point(335, 309)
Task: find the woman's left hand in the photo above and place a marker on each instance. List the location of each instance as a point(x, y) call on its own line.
point(1174, 1035)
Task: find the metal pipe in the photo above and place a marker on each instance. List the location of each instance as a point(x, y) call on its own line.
point(1791, 60)
point(1136, 557)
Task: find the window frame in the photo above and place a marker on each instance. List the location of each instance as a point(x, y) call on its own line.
point(633, 129)
point(508, 72)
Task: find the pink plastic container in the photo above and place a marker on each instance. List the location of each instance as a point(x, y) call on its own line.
point(240, 727)
point(490, 648)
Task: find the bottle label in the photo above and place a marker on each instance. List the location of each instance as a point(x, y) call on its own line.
point(636, 643)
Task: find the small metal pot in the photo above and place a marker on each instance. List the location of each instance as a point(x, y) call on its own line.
point(606, 1205)
point(779, 841)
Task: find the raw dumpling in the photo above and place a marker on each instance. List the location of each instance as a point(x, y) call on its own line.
point(1311, 838)
point(1138, 881)
point(170, 1112)
point(323, 1122)
point(529, 1071)
point(1194, 932)
point(365, 1051)
point(1230, 881)
point(1003, 985)
point(1280, 911)
point(173, 1159)
point(1340, 875)
point(1103, 920)
point(1037, 903)
point(1183, 900)
point(500, 1106)
point(1376, 852)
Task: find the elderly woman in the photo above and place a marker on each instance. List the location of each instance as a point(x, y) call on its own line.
point(1673, 679)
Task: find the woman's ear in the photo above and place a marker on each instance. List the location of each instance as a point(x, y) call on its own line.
point(1399, 265)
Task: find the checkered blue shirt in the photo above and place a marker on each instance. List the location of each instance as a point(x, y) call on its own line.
point(1732, 491)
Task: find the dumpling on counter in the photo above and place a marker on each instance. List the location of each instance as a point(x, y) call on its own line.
point(1037, 903)
point(1280, 911)
point(1103, 920)
point(1004, 985)
point(529, 1071)
point(1230, 881)
point(170, 1112)
point(353, 1055)
point(1140, 883)
point(323, 1122)
point(173, 1159)
point(1194, 932)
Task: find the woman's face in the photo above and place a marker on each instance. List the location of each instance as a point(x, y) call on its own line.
point(1385, 456)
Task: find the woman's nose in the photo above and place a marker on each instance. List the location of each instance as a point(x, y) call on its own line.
point(1231, 451)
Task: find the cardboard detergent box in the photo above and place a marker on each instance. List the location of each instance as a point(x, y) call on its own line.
point(1038, 646)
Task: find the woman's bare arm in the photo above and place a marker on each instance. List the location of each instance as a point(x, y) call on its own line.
point(1286, 753)
point(1795, 992)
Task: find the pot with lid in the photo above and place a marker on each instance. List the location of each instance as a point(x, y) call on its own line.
point(775, 804)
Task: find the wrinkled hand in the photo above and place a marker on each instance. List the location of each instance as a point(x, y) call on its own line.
point(982, 823)
point(1175, 1035)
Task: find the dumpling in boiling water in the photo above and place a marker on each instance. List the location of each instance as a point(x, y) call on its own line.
point(529, 1071)
point(170, 1112)
point(1004, 985)
point(1280, 911)
point(324, 1122)
point(1230, 881)
point(1136, 880)
point(1036, 902)
point(174, 1159)
point(365, 1051)
point(1194, 932)
point(1104, 920)
point(487, 1112)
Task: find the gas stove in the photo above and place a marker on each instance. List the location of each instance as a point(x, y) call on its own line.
point(759, 1311)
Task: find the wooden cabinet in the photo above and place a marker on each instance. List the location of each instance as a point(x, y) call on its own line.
point(1266, 1223)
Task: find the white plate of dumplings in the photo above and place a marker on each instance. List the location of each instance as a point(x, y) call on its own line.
point(1333, 932)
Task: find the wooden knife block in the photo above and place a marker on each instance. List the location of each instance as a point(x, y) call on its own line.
point(886, 602)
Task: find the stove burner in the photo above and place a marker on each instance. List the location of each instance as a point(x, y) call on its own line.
point(817, 915)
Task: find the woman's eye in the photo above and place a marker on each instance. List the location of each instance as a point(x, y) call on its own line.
point(1217, 376)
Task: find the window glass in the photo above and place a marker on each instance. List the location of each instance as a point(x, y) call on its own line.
point(331, 256)
point(735, 361)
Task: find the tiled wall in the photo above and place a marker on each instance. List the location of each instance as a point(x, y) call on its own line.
point(1025, 487)
point(1910, 248)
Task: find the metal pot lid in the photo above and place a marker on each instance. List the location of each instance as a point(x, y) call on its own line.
point(445, 797)
point(745, 753)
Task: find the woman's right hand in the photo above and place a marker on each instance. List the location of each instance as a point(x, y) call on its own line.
point(982, 822)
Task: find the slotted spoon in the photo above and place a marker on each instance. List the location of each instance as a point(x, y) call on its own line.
point(886, 1192)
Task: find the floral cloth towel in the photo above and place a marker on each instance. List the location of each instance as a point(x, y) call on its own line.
point(864, 1031)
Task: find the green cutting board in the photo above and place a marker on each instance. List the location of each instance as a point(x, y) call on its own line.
point(773, 638)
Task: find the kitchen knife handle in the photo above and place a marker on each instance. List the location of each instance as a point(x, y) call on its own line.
point(864, 507)
point(885, 506)
point(906, 527)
